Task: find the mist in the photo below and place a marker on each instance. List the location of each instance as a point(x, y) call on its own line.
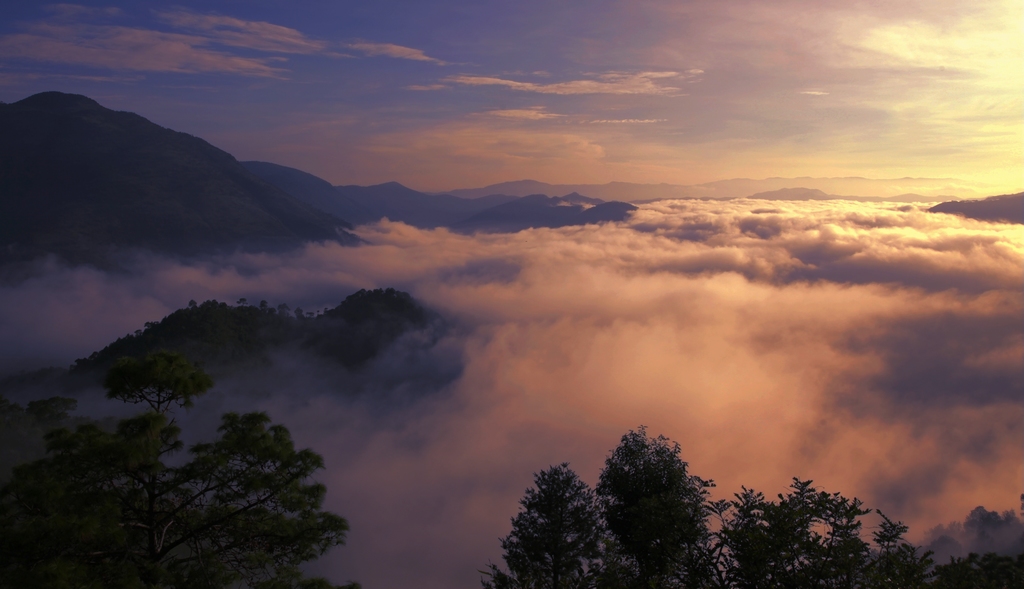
point(873, 347)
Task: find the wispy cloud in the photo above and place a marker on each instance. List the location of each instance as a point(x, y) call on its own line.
point(626, 121)
point(396, 51)
point(535, 113)
point(202, 43)
point(608, 83)
point(74, 10)
point(125, 48)
point(814, 92)
point(234, 32)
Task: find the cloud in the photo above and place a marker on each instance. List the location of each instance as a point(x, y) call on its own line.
point(872, 349)
point(75, 10)
point(396, 51)
point(235, 32)
point(69, 38)
point(609, 83)
point(814, 92)
point(125, 48)
point(536, 113)
point(627, 121)
point(426, 87)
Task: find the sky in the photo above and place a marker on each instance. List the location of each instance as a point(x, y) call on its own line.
point(454, 94)
point(873, 347)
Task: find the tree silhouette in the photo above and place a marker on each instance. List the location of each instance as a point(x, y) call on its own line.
point(656, 513)
point(115, 510)
point(555, 537)
point(661, 530)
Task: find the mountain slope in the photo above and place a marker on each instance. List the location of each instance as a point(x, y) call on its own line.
point(887, 189)
point(419, 209)
point(1007, 207)
point(538, 210)
point(313, 191)
point(368, 204)
point(82, 181)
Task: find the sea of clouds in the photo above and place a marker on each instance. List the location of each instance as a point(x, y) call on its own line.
point(873, 347)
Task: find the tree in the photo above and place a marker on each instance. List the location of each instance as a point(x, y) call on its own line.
point(896, 564)
point(809, 538)
point(555, 536)
point(990, 571)
point(115, 510)
point(656, 513)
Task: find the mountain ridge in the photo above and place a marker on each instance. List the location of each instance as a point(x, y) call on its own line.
point(82, 181)
point(636, 193)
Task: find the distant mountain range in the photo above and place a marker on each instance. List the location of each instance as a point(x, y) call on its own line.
point(82, 181)
point(85, 183)
point(896, 190)
point(1007, 207)
point(489, 213)
point(815, 194)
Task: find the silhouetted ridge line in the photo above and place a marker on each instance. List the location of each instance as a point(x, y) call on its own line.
point(223, 336)
point(85, 182)
point(1006, 208)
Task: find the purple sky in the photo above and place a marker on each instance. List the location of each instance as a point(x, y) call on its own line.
point(451, 94)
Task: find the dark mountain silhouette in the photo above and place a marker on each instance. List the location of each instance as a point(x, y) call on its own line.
point(538, 210)
point(368, 204)
point(1007, 207)
point(493, 212)
point(419, 209)
point(83, 181)
point(815, 194)
point(720, 189)
point(314, 191)
point(223, 337)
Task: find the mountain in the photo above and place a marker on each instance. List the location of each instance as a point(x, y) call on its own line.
point(224, 336)
point(82, 181)
point(419, 209)
point(801, 193)
point(492, 212)
point(313, 191)
point(1006, 208)
point(538, 210)
point(926, 189)
point(368, 204)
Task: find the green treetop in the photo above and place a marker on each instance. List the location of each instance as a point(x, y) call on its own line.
point(106, 510)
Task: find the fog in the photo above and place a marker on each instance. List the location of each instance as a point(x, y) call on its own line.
point(872, 347)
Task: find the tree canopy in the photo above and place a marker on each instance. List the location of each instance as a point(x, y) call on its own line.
point(658, 528)
point(555, 538)
point(120, 510)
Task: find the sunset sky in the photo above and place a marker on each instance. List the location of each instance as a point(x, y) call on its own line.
point(873, 346)
point(448, 94)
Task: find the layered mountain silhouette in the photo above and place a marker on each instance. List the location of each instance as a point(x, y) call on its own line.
point(538, 210)
point(82, 181)
point(239, 340)
point(815, 194)
point(896, 189)
point(492, 213)
point(1006, 208)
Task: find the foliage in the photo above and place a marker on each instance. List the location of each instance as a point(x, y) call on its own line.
point(22, 428)
point(897, 563)
point(555, 537)
point(660, 529)
point(809, 538)
point(655, 511)
point(225, 336)
point(990, 571)
point(115, 509)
